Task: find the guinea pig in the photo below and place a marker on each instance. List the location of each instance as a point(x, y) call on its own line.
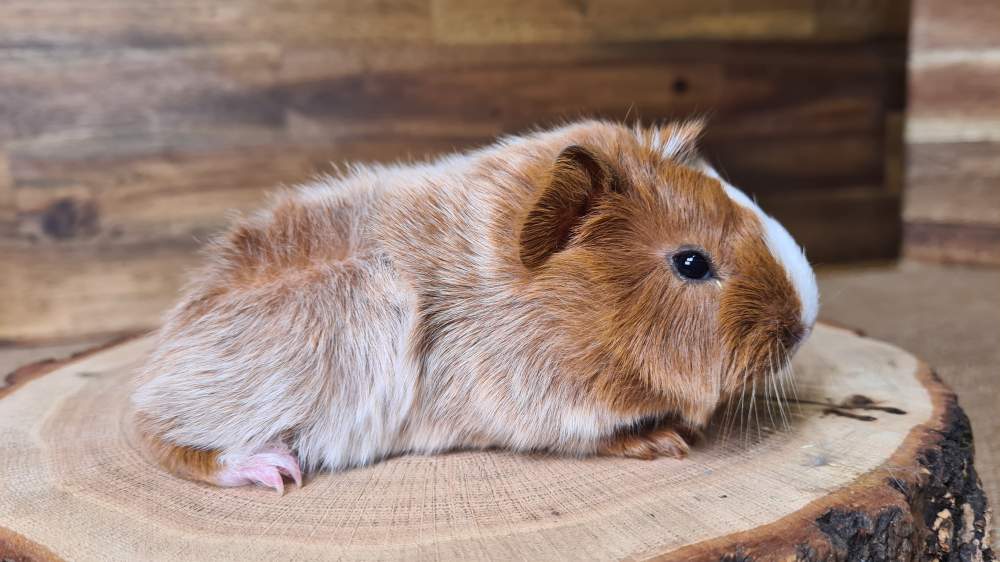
point(596, 289)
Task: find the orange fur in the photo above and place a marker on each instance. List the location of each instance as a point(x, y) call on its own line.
point(521, 296)
point(187, 462)
point(648, 445)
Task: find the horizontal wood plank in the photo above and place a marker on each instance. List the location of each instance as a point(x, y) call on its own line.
point(169, 23)
point(146, 24)
point(186, 197)
point(798, 164)
point(952, 243)
point(852, 223)
point(511, 21)
point(956, 25)
point(956, 183)
point(771, 88)
point(65, 292)
point(967, 86)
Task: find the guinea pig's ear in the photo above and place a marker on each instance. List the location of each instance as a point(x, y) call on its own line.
point(577, 181)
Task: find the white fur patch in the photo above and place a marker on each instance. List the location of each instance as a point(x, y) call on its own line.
point(784, 249)
point(669, 144)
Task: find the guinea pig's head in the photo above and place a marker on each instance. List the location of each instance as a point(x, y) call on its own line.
point(678, 292)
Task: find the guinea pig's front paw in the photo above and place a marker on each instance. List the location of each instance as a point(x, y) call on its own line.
point(266, 467)
point(661, 442)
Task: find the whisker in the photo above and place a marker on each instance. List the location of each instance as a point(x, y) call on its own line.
point(773, 390)
point(727, 423)
point(782, 395)
point(739, 407)
point(769, 389)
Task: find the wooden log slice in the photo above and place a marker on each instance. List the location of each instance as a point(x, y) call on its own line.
point(875, 462)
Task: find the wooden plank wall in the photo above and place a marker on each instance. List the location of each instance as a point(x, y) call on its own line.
point(129, 128)
point(952, 210)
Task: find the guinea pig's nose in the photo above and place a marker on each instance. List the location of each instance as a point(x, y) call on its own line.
point(794, 334)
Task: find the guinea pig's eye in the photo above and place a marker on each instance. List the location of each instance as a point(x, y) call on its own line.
point(692, 264)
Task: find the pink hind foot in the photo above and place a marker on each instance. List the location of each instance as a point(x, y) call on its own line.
point(267, 467)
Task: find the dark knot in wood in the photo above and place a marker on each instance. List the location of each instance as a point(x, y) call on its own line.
point(69, 218)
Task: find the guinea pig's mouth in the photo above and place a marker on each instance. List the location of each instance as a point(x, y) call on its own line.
point(760, 367)
point(779, 357)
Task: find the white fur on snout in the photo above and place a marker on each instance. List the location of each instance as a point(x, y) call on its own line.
point(793, 258)
point(785, 251)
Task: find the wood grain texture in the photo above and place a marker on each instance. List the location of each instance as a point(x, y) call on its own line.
point(130, 129)
point(961, 25)
point(848, 224)
point(955, 243)
point(178, 23)
point(456, 21)
point(68, 291)
point(875, 463)
point(952, 210)
point(954, 181)
point(307, 23)
point(955, 85)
